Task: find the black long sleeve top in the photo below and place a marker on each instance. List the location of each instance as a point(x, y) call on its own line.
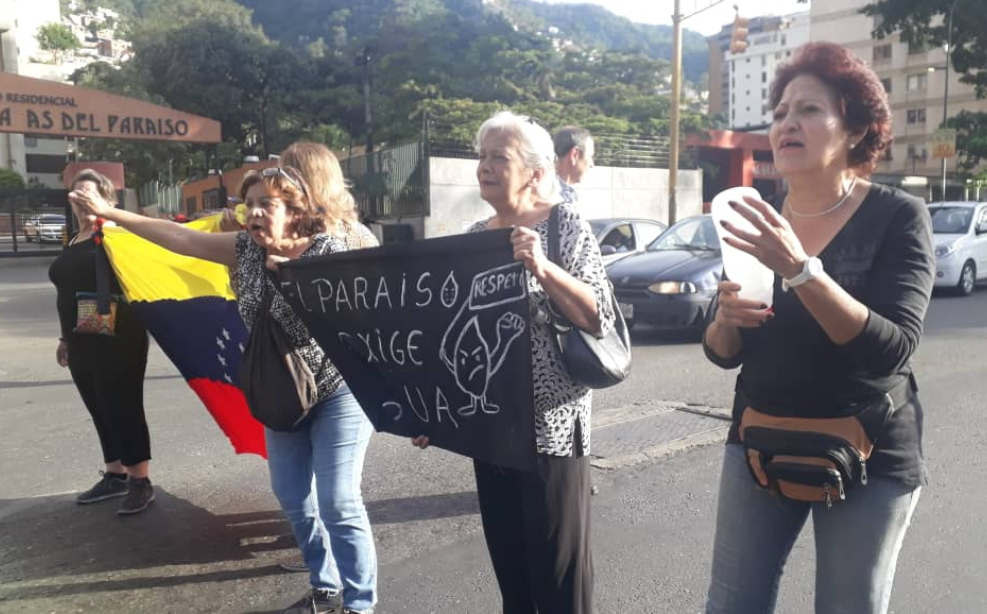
point(884, 258)
point(73, 271)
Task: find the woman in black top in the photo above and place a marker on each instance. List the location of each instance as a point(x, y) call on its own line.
point(108, 370)
point(854, 272)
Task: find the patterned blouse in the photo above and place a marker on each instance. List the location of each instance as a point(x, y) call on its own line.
point(252, 280)
point(560, 403)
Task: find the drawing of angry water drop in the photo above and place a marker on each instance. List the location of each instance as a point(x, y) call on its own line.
point(450, 291)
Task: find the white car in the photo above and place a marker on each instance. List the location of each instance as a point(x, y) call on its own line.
point(621, 237)
point(44, 227)
point(960, 235)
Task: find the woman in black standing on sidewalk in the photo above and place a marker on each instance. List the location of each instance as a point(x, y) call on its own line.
point(108, 370)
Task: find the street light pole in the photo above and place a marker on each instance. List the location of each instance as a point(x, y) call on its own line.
point(673, 150)
point(945, 93)
point(673, 154)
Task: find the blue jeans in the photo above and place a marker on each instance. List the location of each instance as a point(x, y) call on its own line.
point(857, 544)
point(315, 474)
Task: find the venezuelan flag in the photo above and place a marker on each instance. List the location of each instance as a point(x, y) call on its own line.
point(188, 306)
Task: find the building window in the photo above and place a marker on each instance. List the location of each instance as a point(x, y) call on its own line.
point(30, 142)
point(917, 82)
point(764, 77)
point(914, 153)
point(748, 61)
point(45, 163)
point(882, 54)
point(788, 54)
point(778, 55)
point(783, 40)
point(764, 109)
point(916, 116)
point(764, 92)
point(764, 60)
point(190, 204)
point(916, 48)
point(887, 85)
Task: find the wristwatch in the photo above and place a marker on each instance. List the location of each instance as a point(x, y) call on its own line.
point(811, 269)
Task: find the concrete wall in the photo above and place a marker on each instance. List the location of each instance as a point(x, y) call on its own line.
point(605, 192)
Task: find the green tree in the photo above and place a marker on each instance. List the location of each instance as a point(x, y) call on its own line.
point(971, 138)
point(10, 180)
point(57, 39)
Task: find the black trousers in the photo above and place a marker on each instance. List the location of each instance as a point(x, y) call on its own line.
point(537, 528)
point(111, 384)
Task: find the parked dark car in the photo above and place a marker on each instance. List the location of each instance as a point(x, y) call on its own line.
point(621, 237)
point(671, 284)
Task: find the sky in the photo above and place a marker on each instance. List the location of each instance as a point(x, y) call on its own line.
point(708, 22)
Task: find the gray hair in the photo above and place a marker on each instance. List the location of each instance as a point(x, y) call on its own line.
point(534, 144)
point(569, 137)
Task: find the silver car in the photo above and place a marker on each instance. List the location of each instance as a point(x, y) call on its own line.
point(621, 237)
point(960, 235)
point(44, 227)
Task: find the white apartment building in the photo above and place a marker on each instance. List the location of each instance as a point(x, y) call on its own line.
point(33, 157)
point(751, 72)
point(915, 81)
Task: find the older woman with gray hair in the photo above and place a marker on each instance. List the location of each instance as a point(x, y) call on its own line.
point(537, 524)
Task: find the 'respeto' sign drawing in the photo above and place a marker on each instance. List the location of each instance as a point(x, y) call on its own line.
point(432, 338)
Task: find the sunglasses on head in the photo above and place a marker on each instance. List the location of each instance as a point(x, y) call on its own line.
point(279, 171)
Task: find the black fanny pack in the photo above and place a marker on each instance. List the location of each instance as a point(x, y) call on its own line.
point(818, 460)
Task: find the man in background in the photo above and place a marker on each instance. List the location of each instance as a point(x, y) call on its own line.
point(574, 151)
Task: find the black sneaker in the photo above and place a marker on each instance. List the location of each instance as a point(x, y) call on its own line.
point(317, 601)
point(140, 494)
point(109, 486)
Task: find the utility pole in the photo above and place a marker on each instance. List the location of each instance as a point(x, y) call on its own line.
point(673, 153)
point(945, 93)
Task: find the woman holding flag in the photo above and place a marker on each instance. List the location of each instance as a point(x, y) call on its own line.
point(284, 222)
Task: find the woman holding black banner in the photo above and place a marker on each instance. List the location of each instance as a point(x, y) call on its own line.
point(284, 222)
point(537, 524)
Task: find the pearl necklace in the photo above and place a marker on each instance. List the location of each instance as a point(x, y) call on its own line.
point(842, 202)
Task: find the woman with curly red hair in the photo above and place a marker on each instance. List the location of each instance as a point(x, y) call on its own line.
point(854, 269)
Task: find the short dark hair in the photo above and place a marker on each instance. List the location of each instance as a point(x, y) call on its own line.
point(863, 101)
point(569, 137)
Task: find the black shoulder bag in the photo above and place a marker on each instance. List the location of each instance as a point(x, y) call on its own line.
point(277, 383)
point(590, 360)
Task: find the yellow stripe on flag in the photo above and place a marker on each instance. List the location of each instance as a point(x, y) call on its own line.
point(148, 272)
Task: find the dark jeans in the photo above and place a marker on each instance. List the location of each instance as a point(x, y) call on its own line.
point(537, 527)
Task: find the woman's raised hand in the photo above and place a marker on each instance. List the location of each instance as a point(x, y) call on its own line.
point(777, 247)
point(92, 204)
point(736, 312)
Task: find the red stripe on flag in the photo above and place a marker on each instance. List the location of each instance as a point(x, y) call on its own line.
point(229, 410)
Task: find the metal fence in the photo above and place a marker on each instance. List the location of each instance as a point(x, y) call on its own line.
point(33, 222)
point(167, 198)
point(390, 183)
point(447, 139)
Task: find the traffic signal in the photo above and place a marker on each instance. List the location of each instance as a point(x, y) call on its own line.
point(738, 39)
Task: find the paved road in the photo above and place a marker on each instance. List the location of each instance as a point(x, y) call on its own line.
point(211, 541)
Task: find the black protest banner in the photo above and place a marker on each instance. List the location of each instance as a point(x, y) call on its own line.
point(432, 338)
